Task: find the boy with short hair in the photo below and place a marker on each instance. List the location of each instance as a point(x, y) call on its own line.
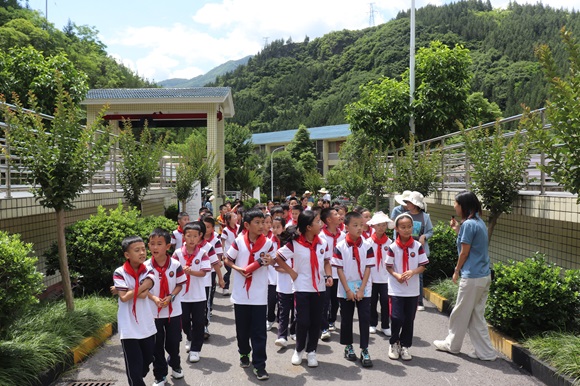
point(169, 278)
point(194, 257)
point(212, 238)
point(295, 212)
point(248, 257)
point(177, 235)
point(353, 258)
point(132, 282)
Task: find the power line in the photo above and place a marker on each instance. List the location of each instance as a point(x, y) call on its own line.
point(372, 15)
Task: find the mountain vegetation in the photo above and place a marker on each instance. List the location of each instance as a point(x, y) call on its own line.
point(292, 83)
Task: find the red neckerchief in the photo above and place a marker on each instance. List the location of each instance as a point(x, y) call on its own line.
point(341, 227)
point(384, 238)
point(163, 282)
point(233, 230)
point(367, 234)
point(180, 229)
point(258, 244)
point(314, 267)
point(210, 239)
point(135, 275)
point(334, 236)
point(405, 247)
point(270, 234)
point(189, 259)
point(276, 240)
point(355, 245)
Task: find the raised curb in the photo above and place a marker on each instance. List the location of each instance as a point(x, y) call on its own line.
point(510, 348)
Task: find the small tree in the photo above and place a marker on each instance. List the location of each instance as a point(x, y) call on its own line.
point(58, 162)
point(498, 164)
point(561, 142)
point(140, 163)
point(288, 174)
point(346, 179)
point(416, 170)
point(313, 180)
point(301, 144)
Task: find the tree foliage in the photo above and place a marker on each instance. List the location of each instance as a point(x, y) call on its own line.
point(140, 163)
point(561, 142)
point(241, 163)
point(288, 173)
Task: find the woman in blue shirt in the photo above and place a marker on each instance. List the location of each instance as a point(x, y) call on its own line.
point(473, 264)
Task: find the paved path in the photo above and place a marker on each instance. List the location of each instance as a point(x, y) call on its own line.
point(219, 362)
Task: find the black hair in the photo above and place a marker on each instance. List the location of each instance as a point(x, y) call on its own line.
point(469, 203)
point(293, 199)
point(402, 216)
point(240, 213)
point(325, 214)
point(228, 217)
point(203, 210)
point(305, 219)
point(209, 219)
point(298, 207)
point(222, 206)
point(358, 209)
point(127, 241)
point(260, 206)
point(195, 226)
point(350, 216)
point(285, 206)
point(316, 208)
point(288, 235)
point(182, 215)
point(248, 216)
point(277, 209)
point(160, 232)
point(281, 219)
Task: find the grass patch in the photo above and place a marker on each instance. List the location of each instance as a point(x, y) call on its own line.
point(44, 334)
point(560, 350)
point(445, 288)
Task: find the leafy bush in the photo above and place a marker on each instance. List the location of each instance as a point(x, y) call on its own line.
point(531, 297)
point(46, 333)
point(94, 245)
point(19, 280)
point(171, 212)
point(446, 288)
point(443, 255)
point(250, 203)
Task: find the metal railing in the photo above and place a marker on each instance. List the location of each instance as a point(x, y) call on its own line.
point(454, 172)
point(14, 177)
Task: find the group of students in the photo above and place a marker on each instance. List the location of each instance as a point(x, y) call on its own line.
point(295, 264)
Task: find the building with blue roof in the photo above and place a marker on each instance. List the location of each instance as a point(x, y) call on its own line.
point(328, 140)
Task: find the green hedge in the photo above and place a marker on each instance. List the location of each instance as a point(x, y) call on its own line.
point(94, 245)
point(443, 253)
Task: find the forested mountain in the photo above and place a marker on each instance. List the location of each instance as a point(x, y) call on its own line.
point(310, 82)
point(21, 27)
point(208, 77)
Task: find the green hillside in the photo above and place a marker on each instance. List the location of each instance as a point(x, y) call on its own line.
point(310, 82)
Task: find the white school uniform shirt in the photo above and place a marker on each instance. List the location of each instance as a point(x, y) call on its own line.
point(239, 254)
point(331, 245)
point(228, 236)
point(175, 276)
point(301, 256)
point(379, 272)
point(216, 243)
point(200, 262)
point(141, 325)
point(343, 257)
point(177, 239)
point(272, 273)
point(367, 234)
point(394, 260)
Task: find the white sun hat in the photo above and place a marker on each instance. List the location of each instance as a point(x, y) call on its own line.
point(379, 218)
point(323, 191)
point(416, 199)
point(400, 198)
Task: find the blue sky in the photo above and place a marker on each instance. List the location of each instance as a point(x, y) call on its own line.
point(183, 39)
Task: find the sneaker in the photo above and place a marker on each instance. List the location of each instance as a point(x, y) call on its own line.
point(244, 360)
point(372, 329)
point(261, 374)
point(188, 346)
point(159, 382)
point(365, 358)
point(293, 336)
point(297, 358)
point(420, 308)
point(193, 356)
point(386, 331)
point(349, 353)
point(442, 345)
point(281, 342)
point(312, 361)
point(177, 374)
point(394, 351)
point(226, 292)
point(331, 327)
point(269, 325)
point(206, 333)
point(473, 355)
point(405, 354)
point(325, 335)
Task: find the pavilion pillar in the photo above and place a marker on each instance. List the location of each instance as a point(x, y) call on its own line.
point(215, 145)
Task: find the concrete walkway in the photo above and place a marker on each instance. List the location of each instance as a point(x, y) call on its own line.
point(219, 361)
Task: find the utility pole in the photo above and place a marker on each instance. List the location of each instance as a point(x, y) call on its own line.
point(372, 15)
point(265, 41)
point(412, 68)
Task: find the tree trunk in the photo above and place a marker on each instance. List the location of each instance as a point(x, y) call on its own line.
point(63, 260)
point(182, 202)
point(491, 225)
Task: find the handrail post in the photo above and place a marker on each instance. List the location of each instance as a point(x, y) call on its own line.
point(543, 160)
point(114, 165)
point(8, 170)
point(442, 165)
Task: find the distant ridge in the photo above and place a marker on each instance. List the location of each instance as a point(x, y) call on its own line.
point(204, 79)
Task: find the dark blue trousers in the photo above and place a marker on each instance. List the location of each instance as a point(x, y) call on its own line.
point(285, 315)
point(167, 339)
point(308, 319)
point(346, 320)
point(251, 332)
point(192, 322)
point(272, 301)
point(403, 310)
point(380, 295)
point(138, 355)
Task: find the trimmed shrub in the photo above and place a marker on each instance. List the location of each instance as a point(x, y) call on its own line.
point(19, 280)
point(94, 245)
point(171, 212)
point(250, 203)
point(534, 296)
point(443, 255)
